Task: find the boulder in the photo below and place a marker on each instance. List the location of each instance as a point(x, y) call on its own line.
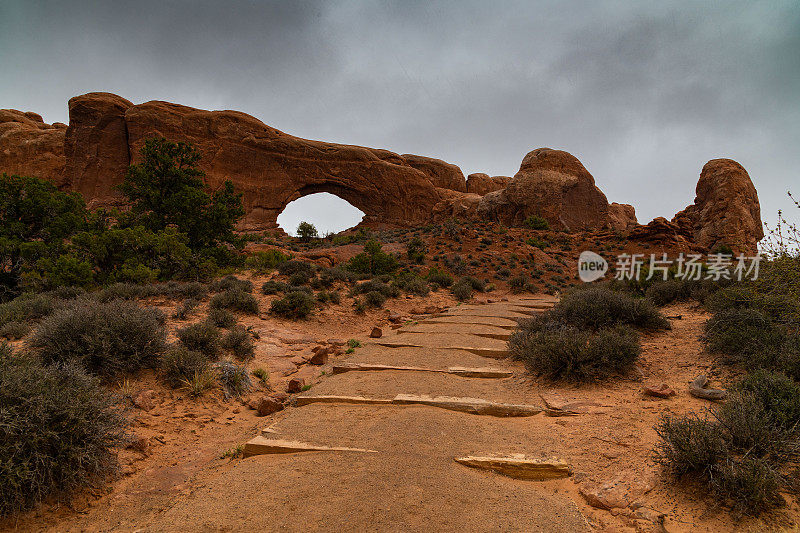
point(726, 209)
point(440, 173)
point(376, 333)
point(621, 217)
point(295, 385)
point(482, 184)
point(552, 184)
point(29, 147)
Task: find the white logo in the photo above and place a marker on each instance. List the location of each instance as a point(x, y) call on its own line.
point(591, 266)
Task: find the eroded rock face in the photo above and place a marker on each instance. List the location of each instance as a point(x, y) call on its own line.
point(480, 183)
point(441, 173)
point(29, 147)
point(552, 184)
point(96, 147)
point(273, 168)
point(726, 209)
point(621, 217)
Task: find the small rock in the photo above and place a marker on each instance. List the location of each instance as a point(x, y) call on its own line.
point(662, 391)
point(268, 405)
point(602, 496)
point(320, 357)
point(140, 444)
point(395, 319)
point(144, 400)
point(376, 333)
point(295, 385)
point(337, 342)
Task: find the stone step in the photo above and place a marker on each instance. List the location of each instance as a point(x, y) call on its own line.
point(485, 372)
point(479, 330)
point(492, 348)
point(264, 446)
point(498, 322)
point(477, 406)
point(519, 467)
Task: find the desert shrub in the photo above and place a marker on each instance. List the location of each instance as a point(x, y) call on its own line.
point(14, 330)
point(230, 283)
point(375, 285)
point(440, 278)
point(272, 287)
point(294, 266)
point(373, 261)
point(416, 250)
point(299, 288)
point(263, 262)
point(536, 222)
point(474, 282)
point(234, 379)
point(179, 364)
point(557, 352)
point(777, 394)
point(328, 276)
point(222, 318)
point(262, 374)
point(29, 307)
point(518, 284)
point(359, 307)
point(462, 291)
point(751, 485)
point(689, 444)
point(199, 383)
point(597, 307)
point(667, 292)
point(235, 299)
point(185, 309)
point(374, 299)
point(201, 337)
point(299, 278)
point(58, 432)
point(417, 286)
point(294, 305)
point(240, 343)
point(106, 338)
point(745, 335)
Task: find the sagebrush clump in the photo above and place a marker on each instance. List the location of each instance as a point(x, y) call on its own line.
point(58, 432)
point(107, 339)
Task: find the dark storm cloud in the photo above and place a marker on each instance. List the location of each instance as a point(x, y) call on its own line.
point(643, 94)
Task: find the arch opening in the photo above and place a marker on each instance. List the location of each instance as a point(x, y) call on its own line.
point(327, 212)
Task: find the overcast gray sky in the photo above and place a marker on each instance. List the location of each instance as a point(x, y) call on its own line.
point(643, 93)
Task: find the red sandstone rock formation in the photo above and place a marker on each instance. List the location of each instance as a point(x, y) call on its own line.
point(29, 147)
point(272, 168)
point(96, 147)
point(552, 184)
point(441, 173)
point(482, 184)
point(621, 217)
point(725, 210)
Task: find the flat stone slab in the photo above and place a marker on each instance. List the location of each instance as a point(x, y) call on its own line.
point(487, 311)
point(479, 330)
point(492, 348)
point(475, 406)
point(499, 322)
point(264, 446)
point(519, 467)
point(305, 400)
point(459, 371)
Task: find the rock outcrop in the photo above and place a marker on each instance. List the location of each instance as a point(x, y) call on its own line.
point(621, 217)
point(552, 184)
point(480, 183)
point(725, 211)
point(29, 147)
point(96, 147)
point(441, 173)
point(272, 168)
